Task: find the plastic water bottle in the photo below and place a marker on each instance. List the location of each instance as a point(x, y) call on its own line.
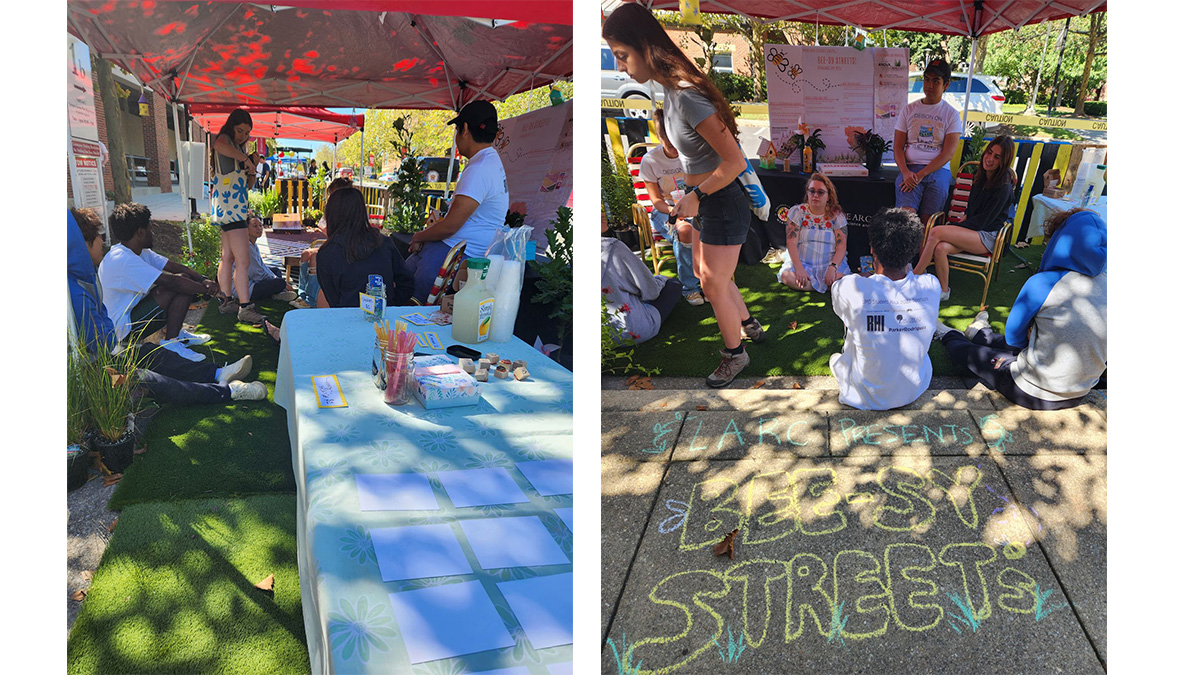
point(375, 289)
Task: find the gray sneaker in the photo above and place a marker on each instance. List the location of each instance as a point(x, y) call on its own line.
point(754, 332)
point(235, 371)
point(940, 330)
point(980, 322)
point(286, 296)
point(249, 314)
point(247, 391)
point(729, 368)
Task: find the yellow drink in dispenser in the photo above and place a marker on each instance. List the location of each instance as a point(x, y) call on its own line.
point(473, 305)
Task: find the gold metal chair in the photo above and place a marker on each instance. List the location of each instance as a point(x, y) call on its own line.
point(659, 249)
point(981, 265)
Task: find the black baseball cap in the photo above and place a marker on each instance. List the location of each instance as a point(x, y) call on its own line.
point(940, 68)
point(479, 116)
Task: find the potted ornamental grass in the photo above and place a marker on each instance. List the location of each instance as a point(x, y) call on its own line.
point(871, 146)
point(107, 383)
point(77, 454)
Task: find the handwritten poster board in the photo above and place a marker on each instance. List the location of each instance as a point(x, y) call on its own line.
point(836, 90)
point(536, 151)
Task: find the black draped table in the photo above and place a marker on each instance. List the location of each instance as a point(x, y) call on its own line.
point(860, 198)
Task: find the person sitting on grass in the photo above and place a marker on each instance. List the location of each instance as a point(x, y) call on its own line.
point(265, 282)
point(635, 301)
point(889, 317)
point(987, 209)
point(353, 252)
point(816, 239)
point(166, 376)
point(143, 291)
point(1055, 344)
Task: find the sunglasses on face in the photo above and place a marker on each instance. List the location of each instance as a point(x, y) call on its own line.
point(817, 193)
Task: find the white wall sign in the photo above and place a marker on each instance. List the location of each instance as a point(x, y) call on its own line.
point(83, 135)
point(536, 151)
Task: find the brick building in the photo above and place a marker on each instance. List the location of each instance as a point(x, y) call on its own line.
point(728, 43)
point(149, 141)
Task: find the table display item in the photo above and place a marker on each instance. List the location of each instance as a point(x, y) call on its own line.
point(1092, 157)
point(439, 382)
point(374, 299)
point(462, 352)
point(506, 275)
point(473, 305)
point(1095, 185)
point(393, 362)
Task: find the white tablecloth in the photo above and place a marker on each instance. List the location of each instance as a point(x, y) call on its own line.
point(349, 614)
point(1043, 207)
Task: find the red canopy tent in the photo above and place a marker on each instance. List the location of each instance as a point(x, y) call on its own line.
point(307, 124)
point(380, 54)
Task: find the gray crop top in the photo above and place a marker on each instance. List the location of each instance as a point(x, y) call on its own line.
point(683, 109)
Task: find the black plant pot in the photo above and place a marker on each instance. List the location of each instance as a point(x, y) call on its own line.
point(874, 162)
point(77, 469)
point(629, 236)
point(116, 456)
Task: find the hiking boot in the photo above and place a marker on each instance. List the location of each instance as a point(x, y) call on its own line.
point(249, 314)
point(729, 368)
point(247, 391)
point(228, 306)
point(694, 298)
point(192, 339)
point(299, 304)
point(980, 322)
point(286, 296)
point(753, 332)
point(179, 348)
point(235, 371)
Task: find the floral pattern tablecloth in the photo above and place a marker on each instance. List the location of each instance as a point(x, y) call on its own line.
point(350, 622)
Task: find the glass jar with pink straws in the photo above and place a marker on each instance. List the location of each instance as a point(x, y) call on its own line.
point(392, 362)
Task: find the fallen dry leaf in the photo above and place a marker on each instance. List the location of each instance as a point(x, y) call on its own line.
point(78, 595)
point(631, 379)
point(1021, 244)
point(792, 326)
point(113, 525)
point(701, 407)
point(117, 378)
point(759, 384)
point(639, 382)
point(140, 451)
point(112, 479)
point(267, 584)
point(86, 574)
point(796, 385)
point(726, 545)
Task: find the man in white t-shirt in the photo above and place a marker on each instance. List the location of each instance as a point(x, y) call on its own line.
point(480, 200)
point(890, 318)
point(143, 290)
point(927, 132)
point(662, 173)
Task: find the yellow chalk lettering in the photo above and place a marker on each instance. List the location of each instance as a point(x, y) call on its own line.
point(805, 595)
point(771, 499)
point(975, 555)
point(682, 585)
point(902, 561)
point(818, 507)
point(708, 523)
point(1024, 598)
point(906, 488)
point(867, 613)
point(961, 491)
point(756, 577)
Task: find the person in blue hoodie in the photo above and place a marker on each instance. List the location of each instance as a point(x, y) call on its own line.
point(1055, 345)
point(166, 376)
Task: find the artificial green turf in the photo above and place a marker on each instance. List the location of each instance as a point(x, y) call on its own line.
point(232, 449)
point(175, 592)
point(688, 343)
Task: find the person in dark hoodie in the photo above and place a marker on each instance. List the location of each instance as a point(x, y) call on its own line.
point(1055, 344)
point(166, 376)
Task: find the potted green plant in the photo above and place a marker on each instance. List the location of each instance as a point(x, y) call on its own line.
point(77, 454)
point(871, 146)
point(815, 145)
point(405, 191)
point(107, 382)
point(554, 288)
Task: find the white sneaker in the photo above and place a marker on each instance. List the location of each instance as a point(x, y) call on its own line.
point(940, 330)
point(980, 322)
point(286, 296)
point(234, 371)
point(247, 391)
point(192, 339)
point(179, 348)
point(946, 295)
point(694, 298)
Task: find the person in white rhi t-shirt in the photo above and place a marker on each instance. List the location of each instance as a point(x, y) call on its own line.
point(890, 319)
point(480, 199)
point(662, 172)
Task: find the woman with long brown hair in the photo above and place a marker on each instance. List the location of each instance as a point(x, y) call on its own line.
point(816, 239)
point(701, 126)
point(232, 171)
point(987, 207)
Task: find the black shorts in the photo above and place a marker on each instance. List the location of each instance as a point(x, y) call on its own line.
point(723, 218)
point(235, 225)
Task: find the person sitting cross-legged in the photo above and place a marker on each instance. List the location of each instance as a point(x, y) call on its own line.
point(635, 301)
point(144, 291)
point(1055, 344)
point(816, 239)
point(167, 377)
point(264, 282)
point(890, 319)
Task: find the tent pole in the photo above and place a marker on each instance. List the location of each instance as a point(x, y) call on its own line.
point(179, 170)
point(970, 82)
point(362, 144)
point(450, 165)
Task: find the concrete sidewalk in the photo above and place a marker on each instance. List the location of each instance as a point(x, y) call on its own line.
point(960, 534)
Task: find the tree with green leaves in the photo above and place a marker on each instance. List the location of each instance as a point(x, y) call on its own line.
point(406, 190)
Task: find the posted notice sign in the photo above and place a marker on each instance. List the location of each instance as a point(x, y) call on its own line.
point(83, 135)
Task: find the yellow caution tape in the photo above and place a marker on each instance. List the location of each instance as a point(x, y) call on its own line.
point(1035, 121)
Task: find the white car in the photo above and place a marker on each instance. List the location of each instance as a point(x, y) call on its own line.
point(615, 84)
point(985, 93)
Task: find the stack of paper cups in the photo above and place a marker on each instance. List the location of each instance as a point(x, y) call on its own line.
point(493, 271)
point(508, 300)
